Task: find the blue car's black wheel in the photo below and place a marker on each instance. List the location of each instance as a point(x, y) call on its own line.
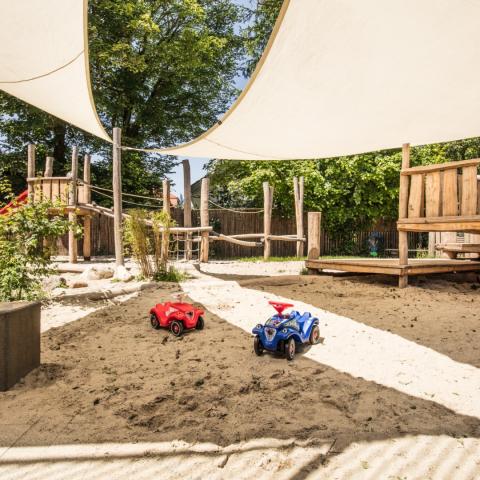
point(315, 335)
point(257, 346)
point(290, 348)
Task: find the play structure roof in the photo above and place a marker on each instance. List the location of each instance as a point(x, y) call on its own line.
point(338, 77)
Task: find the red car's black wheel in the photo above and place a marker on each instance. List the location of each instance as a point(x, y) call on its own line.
point(176, 327)
point(200, 323)
point(154, 321)
point(257, 346)
point(290, 349)
point(315, 335)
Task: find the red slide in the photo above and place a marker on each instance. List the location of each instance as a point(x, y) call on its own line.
point(20, 200)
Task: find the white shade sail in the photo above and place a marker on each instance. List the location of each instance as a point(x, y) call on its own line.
point(44, 59)
point(349, 76)
point(338, 77)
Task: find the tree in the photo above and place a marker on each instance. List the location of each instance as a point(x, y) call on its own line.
point(162, 70)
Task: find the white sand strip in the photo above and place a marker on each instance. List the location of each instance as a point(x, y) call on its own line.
point(57, 314)
point(353, 347)
point(260, 459)
point(412, 457)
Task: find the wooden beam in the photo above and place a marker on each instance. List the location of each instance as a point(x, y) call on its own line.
point(403, 213)
point(267, 219)
point(72, 215)
point(49, 167)
point(166, 195)
point(450, 193)
point(204, 220)
point(314, 235)
point(47, 185)
point(415, 198)
point(30, 168)
point(432, 194)
point(187, 206)
point(87, 179)
point(469, 191)
point(440, 167)
point(298, 191)
point(117, 196)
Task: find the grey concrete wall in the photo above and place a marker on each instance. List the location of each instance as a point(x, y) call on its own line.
point(19, 341)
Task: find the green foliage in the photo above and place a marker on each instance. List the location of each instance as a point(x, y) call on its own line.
point(147, 237)
point(24, 258)
point(170, 275)
point(352, 192)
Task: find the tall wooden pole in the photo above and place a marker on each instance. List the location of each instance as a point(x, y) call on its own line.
point(87, 219)
point(166, 196)
point(117, 196)
point(403, 213)
point(72, 215)
point(267, 219)
point(298, 188)
point(204, 220)
point(30, 169)
point(314, 235)
point(165, 232)
point(187, 207)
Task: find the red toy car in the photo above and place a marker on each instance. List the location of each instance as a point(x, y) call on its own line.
point(177, 317)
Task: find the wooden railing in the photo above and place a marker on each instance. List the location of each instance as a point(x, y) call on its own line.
point(56, 189)
point(440, 193)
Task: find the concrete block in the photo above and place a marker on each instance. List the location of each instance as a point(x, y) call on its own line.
point(19, 341)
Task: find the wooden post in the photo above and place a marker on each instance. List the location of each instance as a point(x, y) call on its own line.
point(72, 215)
point(30, 169)
point(165, 234)
point(117, 196)
point(298, 188)
point(166, 196)
point(47, 186)
point(187, 207)
point(267, 219)
point(48, 167)
point(314, 235)
point(87, 219)
point(204, 220)
point(403, 213)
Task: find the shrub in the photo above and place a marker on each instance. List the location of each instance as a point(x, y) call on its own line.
point(26, 244)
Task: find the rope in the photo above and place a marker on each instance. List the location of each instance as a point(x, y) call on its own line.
point(124, 201)
point(125, 194)
point(233, 210)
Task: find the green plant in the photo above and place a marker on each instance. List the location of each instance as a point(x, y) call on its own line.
point(171, 275)
point(147, 236)
point(26, 244)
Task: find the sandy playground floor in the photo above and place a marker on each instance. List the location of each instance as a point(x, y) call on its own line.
point(115, 398)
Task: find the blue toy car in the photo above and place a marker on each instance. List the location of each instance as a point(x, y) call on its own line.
point(282, 332)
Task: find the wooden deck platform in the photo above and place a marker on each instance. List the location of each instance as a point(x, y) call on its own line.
point(390, 266)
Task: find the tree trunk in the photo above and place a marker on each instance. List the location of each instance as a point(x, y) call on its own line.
point(59, 147)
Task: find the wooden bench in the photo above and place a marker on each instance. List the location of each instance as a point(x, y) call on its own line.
point(453, 249)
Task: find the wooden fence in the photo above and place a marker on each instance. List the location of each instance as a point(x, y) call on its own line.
point(231, 223)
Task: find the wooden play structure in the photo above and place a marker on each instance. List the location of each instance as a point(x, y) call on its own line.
point(433, 198)
point(75, 196)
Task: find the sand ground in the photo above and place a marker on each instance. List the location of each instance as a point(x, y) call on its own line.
point(108, 378)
